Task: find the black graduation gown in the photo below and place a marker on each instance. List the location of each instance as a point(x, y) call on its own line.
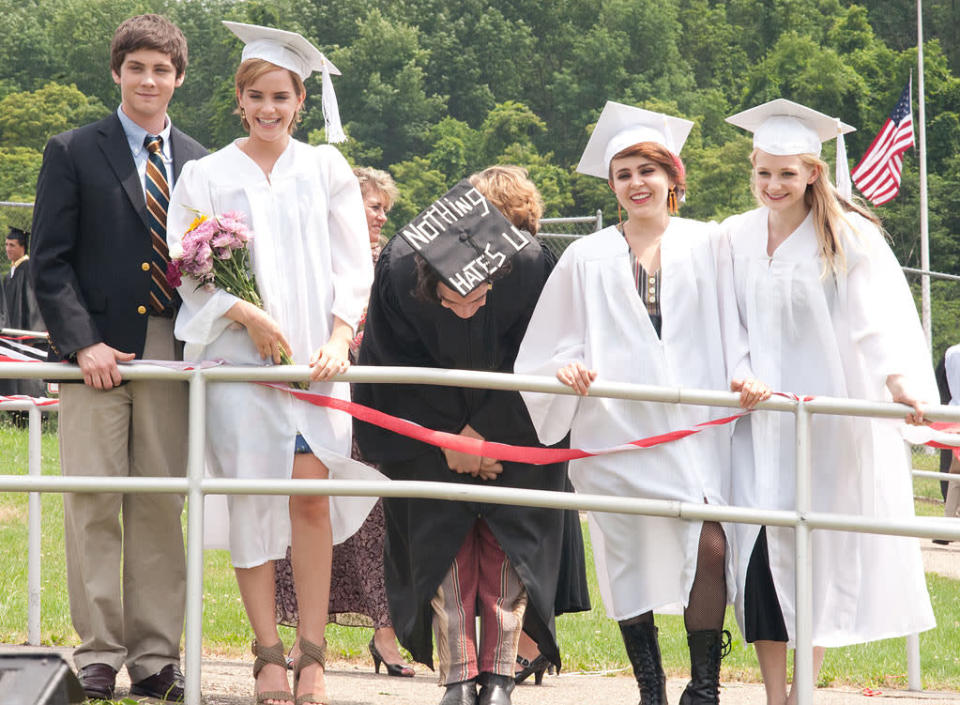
point(423, 536)
point(23, 313)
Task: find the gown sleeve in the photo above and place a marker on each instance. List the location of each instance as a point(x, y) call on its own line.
point(502, 416)
point(883, 319)
point(349, 242)
point(733, 330)
point(390, 338)
point(555, 337)
point(201, 317)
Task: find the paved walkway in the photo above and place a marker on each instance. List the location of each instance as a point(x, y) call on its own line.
point(229, 682)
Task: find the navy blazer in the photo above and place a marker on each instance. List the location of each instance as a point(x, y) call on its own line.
point(91, 240)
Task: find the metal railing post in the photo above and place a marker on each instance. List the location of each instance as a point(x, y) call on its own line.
point(599, 219)
point(914, 681)
point(193, 641)
point(803, 653)
point(35, 530)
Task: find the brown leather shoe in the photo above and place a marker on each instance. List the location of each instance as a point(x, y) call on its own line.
point(165, 685)
point(98, 680)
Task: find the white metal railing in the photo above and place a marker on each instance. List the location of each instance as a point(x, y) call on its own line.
point(195, 485)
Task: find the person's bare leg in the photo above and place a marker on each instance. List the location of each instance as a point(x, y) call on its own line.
point(772, 657)
point(818, 653)
point(257, 592)
point(311, 554)
point(528, 649)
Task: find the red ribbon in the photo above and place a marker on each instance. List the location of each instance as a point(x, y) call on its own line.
point(487, 449)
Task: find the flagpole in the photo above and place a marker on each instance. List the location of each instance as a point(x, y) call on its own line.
point(924, 221)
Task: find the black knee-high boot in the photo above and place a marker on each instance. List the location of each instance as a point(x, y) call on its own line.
point(643, 650)
point(706, 649)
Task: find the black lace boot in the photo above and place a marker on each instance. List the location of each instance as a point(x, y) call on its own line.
point(706, 649)
point(643, 650)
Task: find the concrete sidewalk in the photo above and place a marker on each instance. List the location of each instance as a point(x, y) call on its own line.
point(229, 682)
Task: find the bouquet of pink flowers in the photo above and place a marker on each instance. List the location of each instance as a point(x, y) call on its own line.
point(214, 252)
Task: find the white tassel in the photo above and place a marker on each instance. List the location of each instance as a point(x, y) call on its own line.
point(844, 187)
point(331, 111)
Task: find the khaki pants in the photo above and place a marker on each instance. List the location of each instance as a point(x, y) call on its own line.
point(126, 572)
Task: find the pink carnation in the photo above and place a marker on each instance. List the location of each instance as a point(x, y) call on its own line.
point(173, 274)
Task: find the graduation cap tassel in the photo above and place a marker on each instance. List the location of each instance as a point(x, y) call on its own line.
point(331, 110)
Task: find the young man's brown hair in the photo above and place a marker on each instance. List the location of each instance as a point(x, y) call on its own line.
point(149, 32)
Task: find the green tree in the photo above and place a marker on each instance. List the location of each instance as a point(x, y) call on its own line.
point(385, 102)
point(30, 119)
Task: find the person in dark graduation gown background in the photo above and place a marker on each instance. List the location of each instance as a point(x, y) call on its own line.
point(20, 305)
point(427, 539)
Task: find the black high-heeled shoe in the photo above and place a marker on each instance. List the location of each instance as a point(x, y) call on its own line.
point(401, 670)
point(537, 667)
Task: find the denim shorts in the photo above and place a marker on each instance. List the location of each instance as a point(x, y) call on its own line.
point(301, 445)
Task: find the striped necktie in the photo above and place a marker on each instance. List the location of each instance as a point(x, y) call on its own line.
point(158, 198)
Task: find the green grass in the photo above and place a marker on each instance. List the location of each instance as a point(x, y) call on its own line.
point(589, 641)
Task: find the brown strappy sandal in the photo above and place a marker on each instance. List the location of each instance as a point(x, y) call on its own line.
point(269, 655)
point(310, 653)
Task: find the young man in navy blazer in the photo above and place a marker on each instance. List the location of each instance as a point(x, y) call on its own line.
point(92, 268)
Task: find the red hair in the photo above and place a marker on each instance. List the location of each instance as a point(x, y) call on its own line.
point(660, 156)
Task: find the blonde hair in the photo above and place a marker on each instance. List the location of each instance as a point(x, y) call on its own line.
point(510, 189)
point(830, 211)
point(377, 180)
point(252, 69)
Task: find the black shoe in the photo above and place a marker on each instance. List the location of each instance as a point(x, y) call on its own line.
point(495, 689)
point(941, 542)
point(537, 668)
point(462, 693)
point(643, 650)
point(400, 670)
point(707, 647)
point(165, 685)
point(98, 681)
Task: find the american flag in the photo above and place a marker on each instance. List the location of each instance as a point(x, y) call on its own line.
point(878, 173)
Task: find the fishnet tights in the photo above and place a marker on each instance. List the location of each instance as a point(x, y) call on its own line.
point(708, 596)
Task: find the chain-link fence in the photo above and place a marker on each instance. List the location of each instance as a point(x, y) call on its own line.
point(557, 233)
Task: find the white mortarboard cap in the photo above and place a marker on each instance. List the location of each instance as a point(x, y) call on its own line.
point(621, 126)
point(292, 51)
point(784, 128)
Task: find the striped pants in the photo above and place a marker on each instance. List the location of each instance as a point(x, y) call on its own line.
point(481, 582)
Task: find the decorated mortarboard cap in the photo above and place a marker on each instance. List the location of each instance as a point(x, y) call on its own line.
point(293, 51)
point(621, 126)
point(784, 128)
point(464, 238)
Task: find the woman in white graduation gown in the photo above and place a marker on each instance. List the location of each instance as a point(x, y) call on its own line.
point(825, 310)
point(638, 303)
point(311, 259)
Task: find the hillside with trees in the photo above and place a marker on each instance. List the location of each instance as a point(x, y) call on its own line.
point(435, 90)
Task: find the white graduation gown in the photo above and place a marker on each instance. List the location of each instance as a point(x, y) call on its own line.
point(812, 333)
point(311, 258)
point(590, 311)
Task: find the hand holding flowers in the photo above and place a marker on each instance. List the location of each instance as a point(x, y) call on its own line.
point(215, 252)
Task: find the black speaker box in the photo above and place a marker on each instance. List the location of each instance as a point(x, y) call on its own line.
point(37, 679)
